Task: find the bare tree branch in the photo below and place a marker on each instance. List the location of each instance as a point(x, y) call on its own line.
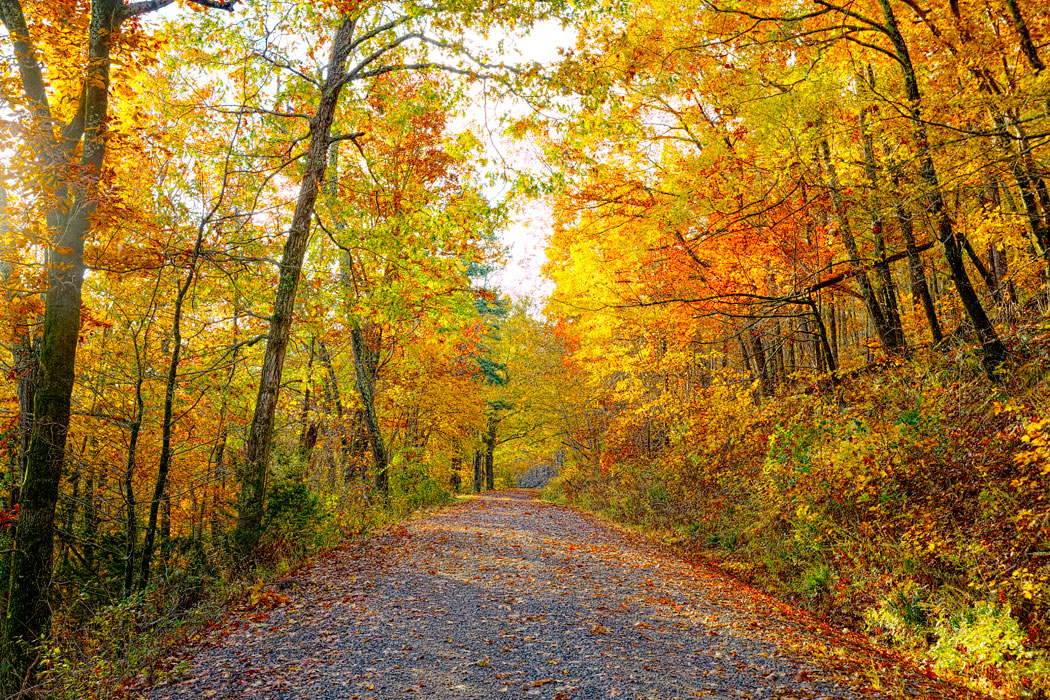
point(146, 6)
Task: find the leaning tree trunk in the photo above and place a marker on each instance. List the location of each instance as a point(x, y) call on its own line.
point(993, 350)
point(1027, 45)
point(920, 290)
point(885, 276)
point(257, 446)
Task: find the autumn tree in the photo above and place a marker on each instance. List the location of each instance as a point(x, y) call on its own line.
point(66, 141)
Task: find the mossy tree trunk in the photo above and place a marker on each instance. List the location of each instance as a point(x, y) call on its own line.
point(28, 608)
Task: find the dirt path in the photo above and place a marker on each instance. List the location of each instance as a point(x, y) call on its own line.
point(507, 597)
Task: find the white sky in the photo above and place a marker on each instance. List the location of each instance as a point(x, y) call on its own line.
point(526, 237)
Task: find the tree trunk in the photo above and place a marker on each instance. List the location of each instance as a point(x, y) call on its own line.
point(164, 462)
point(454, 480)
point(812, 344)
point(835, 332)
point(745, 357)
point(359, 345)
point(997, 264)
point(130, 534)
point(490, 453)
point(307, 432)
point(920, 290)
point(993, 350)
point(779, 364)
point(337, 399)
point(260, 437)
point(982, 269)
point(887, 338)
point(888, 291)
point(360, 447)
point(758, 353)
point(822, 339)
point(364, 363)
point(217, 526)
point(28, 608)
point(65, 530)
point(25, 367)
point(165, 525)
point(1027, 46)
point(93, 504)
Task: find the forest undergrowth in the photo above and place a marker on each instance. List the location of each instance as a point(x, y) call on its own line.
point(907, 501)
point(103, 645)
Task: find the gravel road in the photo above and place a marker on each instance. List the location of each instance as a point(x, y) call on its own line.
point(508, 597)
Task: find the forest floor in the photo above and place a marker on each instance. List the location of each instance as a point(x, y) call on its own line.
point(504, 596)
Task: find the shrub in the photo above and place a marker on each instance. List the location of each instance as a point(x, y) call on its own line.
point(296, 522)
point(413, 487)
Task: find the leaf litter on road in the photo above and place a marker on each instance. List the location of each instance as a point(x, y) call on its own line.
point(504, 596)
